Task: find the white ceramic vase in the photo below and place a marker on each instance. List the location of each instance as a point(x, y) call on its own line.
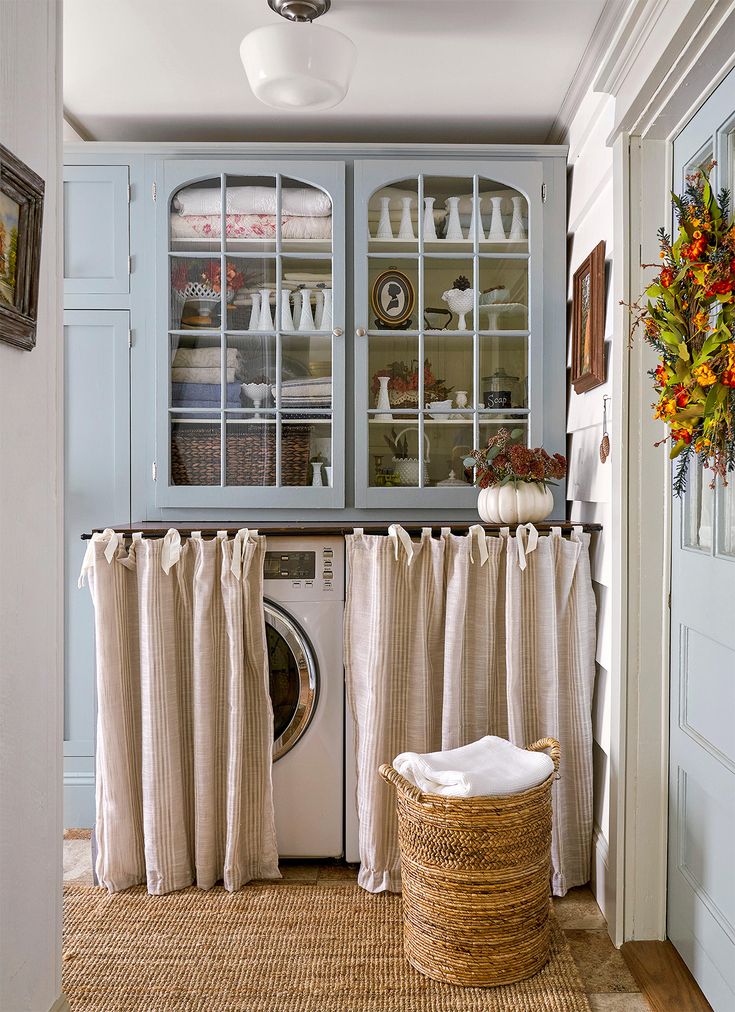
point(476, 220)
point(318, 308)
point(517, 229)
point(461, 303)
point(385, 229)
point(286, 318)
point(429, 226)
point(316, 473)
point(255, 312)
point(521, 502)
point(454, 227)
point(383, 401)
point(306, 320)
point(497, 232)
point(326, 321)
point(405, 229)
point(265, 321)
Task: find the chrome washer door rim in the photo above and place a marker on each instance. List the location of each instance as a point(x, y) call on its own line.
point(303, 655)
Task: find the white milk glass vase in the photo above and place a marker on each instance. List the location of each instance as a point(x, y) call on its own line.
point(286, 318)
point(517, 228)
point(385, 229)
point(255, 312)
point(383, 401)
point(265, 322)
point(318, 308)
point(476, 220)
point(326, 321)
point(454, 227)
point(497, 232)
point(429, 226)
point(405, 229)
point(306, 320)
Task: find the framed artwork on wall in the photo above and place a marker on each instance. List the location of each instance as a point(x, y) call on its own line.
point(588, 322)
point(21, 216)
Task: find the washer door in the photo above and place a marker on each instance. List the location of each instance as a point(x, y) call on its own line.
point(293, 678)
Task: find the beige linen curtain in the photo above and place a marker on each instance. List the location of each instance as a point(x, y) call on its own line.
point(448, 639)
point(184, 722)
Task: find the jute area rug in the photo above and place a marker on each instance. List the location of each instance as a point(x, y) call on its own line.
point(271, 948)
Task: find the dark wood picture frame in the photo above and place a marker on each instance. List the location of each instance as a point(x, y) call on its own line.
point(588, 322)
point(21, 187)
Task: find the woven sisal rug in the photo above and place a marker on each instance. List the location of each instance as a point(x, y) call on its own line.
point(270, 948)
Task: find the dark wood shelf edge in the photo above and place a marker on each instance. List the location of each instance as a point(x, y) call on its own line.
point(155, 530)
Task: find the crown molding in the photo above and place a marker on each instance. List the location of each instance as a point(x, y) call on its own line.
point(610, 17)
point(628, 42)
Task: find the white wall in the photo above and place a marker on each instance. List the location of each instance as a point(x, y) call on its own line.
point(30, 546)
point(589, 484)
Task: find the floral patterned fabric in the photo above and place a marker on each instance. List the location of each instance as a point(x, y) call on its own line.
point(249, 226)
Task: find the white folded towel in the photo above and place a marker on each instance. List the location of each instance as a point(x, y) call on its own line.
point(488, 767)
point(299, 201)
point(197, 374)
point(203, 358)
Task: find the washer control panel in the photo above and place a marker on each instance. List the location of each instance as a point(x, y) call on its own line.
point(289, 566)
point(304, 571)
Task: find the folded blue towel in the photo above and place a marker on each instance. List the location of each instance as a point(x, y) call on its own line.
point(204, 392)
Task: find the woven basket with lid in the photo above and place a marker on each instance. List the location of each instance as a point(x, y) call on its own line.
point(476, 877)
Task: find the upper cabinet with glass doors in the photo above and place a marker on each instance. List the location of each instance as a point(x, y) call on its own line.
point(449, 308)
point(249, 334)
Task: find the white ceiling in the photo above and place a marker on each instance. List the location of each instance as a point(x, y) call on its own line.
point(427, 70)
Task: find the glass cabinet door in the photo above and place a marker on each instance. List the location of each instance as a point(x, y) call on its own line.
point(448, 323)
point(249, 335)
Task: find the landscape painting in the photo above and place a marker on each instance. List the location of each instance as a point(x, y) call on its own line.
point(9, 224)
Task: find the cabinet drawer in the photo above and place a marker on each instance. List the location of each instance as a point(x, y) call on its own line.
point(96, 231)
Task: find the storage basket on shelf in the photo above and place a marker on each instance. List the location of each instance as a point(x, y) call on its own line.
point(251, 454)
point(476, 875)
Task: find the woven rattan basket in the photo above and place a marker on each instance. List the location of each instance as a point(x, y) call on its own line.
point(476, 877)
point(251, 454)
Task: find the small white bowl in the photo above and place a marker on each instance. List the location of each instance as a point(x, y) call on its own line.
point(438, 409)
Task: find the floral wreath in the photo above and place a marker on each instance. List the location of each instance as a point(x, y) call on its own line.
point(689, 324)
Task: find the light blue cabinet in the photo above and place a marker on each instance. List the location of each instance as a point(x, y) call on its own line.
point(96, 492)
point(96, 230)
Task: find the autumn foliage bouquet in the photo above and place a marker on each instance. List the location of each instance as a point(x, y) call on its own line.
point(688, 320)
point(502, 462)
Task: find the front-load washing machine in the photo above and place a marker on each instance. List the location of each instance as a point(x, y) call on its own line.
point(303, 589)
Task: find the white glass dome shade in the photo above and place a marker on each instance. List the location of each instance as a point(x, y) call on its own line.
point(298, 65)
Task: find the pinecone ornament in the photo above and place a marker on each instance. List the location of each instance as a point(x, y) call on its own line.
point(461, 283)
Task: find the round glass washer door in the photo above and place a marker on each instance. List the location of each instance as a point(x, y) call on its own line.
point(294, 678)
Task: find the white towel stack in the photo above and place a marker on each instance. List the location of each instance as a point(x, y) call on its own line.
point(485, 768)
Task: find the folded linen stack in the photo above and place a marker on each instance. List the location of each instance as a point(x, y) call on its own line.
point(196, 377)
point(489, 767)
point(306, 392)
point(306, 213)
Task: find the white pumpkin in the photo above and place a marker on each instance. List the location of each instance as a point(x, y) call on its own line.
point(519, 502)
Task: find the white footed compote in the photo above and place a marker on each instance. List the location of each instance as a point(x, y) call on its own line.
point(306, 320)
point(405, 229)
point(255, 312)
point(517, 228)
point(461, 302)
point(429, 226)
point(326, 321)
point(385, 229)
point(265, 321)
point(460, 399)
point(454, 227)
point(383, 401)
point(497, 232)
point(476, 220)
point(286, 318)
point(257, 393)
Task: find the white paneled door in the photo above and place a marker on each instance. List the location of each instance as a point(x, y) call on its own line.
point(701, 875)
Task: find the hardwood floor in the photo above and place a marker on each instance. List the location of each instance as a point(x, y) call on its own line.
point(664, 978)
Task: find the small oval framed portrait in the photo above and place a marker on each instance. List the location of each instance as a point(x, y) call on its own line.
point(392, 298)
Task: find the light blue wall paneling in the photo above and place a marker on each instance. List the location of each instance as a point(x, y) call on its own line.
point(96, 231)
point(97, 492)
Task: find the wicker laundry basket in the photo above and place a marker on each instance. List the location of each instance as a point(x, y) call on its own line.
point(476, 877)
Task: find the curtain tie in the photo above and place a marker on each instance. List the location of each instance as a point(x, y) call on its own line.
point(523, 549)
point(478, 531)
point(238, 546)
point(171, 550)
point(397, 533)
point(113, 540)
point(129, 560)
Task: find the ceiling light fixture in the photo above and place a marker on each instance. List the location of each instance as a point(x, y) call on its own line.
point(298, 65)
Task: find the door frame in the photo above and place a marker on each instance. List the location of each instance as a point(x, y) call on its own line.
point(664, 63)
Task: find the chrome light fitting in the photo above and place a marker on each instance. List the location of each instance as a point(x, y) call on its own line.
point(298, 65)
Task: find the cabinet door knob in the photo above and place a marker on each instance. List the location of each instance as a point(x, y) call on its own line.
point(360, 332)
point(338, 332)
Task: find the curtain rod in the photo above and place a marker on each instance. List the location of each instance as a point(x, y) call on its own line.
point(297, 530)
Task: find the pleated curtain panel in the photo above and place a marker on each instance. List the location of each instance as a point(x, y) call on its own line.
point(448, 639)
point(184, 723)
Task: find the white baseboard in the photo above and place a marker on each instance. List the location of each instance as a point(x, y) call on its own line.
point(60, 1005)
point(602, 882)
